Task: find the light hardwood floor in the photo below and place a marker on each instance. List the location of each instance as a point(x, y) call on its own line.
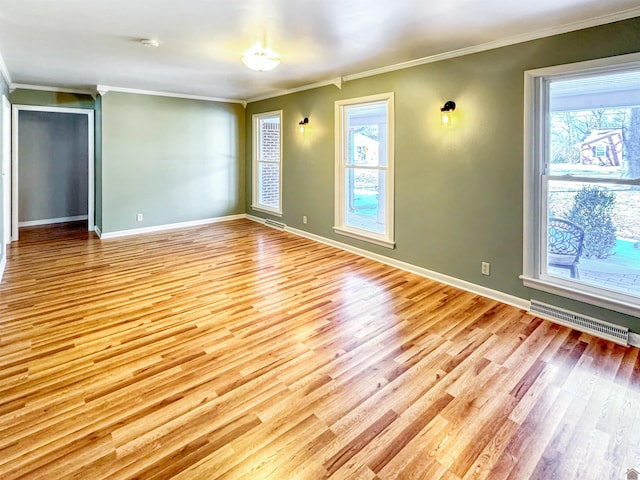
point(235, 351)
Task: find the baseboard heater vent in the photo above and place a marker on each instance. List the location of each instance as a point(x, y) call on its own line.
point(274, 224)
point(596, 327)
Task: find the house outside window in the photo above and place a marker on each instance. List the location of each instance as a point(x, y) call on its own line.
point(364, 169)
point(582, 182)
point(267, 163)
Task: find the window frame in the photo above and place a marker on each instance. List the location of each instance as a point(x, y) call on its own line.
point(536, 145)
point(385, 239)
point(255, 198)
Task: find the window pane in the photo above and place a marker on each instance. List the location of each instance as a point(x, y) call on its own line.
point(608, 217)
point(366, 131)
point(364, 203)
point(594, 126)
point(269, 140)
point(269, 184)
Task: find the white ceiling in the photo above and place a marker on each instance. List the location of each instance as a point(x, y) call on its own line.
point(79, 44)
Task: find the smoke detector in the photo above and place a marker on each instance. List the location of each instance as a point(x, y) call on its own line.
point(150, 42)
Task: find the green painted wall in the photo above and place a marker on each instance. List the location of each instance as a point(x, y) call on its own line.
point(173, 160)
point(42, 98)
point(459, 190)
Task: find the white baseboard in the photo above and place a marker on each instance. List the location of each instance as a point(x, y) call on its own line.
point(408, 267)
point(253, 218)
point(3, 264)
point(51, 221)
point(170, 226)
point(98, 231)
point(634, 339)
point(423, 272)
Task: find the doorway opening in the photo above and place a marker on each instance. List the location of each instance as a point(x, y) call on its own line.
point(48, 196)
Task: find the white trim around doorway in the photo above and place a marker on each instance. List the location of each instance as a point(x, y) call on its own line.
point(16, 109)
point(6, 172)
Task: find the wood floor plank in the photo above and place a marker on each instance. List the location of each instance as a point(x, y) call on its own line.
point(236, 351)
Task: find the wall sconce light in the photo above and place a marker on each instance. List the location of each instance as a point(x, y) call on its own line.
point(303, 123)
point(445, 112)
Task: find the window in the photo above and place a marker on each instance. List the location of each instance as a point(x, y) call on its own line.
point(364, 169)
point(582, 182)
point(267, 163)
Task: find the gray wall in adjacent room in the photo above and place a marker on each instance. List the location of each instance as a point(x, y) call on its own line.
point(52, 172)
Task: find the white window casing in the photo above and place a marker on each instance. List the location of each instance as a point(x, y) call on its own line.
point(380, 232)
point(538, 176)
point(267, 162)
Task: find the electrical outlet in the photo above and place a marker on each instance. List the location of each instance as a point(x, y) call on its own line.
point(486, 268)
point(304, 219)
point(139, 217)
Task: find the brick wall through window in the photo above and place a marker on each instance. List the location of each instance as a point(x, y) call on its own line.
point(269, 164)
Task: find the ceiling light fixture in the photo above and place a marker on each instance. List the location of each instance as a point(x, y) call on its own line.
point(260, 58)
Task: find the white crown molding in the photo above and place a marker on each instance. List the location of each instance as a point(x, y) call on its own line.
point(338, 81)
point(334, 81)
point(44, 88)
point(104, 89)
point(504, 42)
point(101, 90)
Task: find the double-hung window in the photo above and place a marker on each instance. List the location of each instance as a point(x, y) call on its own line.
point(267, 162)
point(364, 169)
point(582, 182)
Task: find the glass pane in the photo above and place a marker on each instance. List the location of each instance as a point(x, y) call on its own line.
point(594, 126)
point(365, 203)
point(269, 184)
point(367, 135)
point(593, 235)
point(269, 147)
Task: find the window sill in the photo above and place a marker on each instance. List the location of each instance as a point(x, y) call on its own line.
point(621, 304)
point(276, 213)
point(364, 237)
